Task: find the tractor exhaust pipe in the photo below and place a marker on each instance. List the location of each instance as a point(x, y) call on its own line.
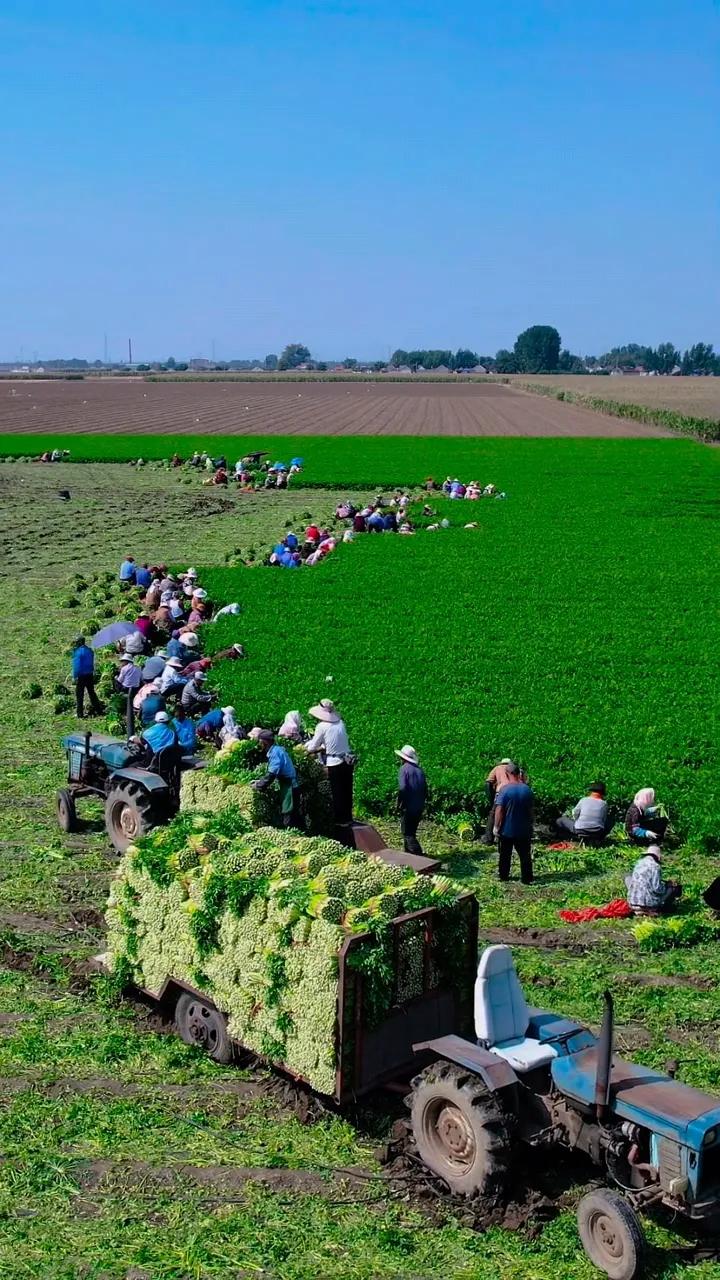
point(604, 1061)
point(130, 715)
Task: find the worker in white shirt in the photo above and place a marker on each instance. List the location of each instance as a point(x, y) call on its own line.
point(330, 741)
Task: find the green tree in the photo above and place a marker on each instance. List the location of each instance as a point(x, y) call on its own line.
point(537, 349)
point(506, 361)
point(377, 366)
point(293, 355)
point(568, 363)
point(663, 359)
point(271, 363)
point(349, 362)
point(398, 357)
point(464, 358)
point(170, 362)
point(700, 358)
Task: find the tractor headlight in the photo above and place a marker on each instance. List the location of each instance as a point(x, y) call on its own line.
point(710, 1137)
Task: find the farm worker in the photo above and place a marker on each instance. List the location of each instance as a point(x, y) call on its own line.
point(230, 730)
point(208, 726)
point(143, 624)
point(185, 730)
point(143, 576)
point(643, 820)
point(127, 570)
point(232, 609)
point(147, 691)
point(330, 740)
point(192, 668)
point(281, 770)
point(209, 464)
point(497, 778)
point(198, 614)
point(514, 825)
point(590, 819)
point(195, 698)
point(155, 666)
point(83, 673)
point(189, 582)
point(176, 460)
point(412, 797)
point(291, 541)
point(233, 653)
point(171, 680)
point(129, 677)
point(376, 522)
point(359, 523)
point(390, 522)
point(163, 620)
point(160, 735)
point(152, 704)
point(646, 889)
point(447, 485)
point(292, 727)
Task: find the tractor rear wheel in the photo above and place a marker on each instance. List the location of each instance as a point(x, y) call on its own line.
point(66, 811)
point(611, 1234)
point(200, 1023)
point(461, 1130)
point(128, 814)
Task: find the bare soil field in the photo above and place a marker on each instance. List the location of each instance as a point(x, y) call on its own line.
point(697, 396)
point(319, 408)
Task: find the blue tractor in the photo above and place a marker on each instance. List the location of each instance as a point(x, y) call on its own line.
point(138, 794)
point(536, 1078)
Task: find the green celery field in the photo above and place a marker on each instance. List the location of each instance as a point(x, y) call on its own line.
point(576, 629)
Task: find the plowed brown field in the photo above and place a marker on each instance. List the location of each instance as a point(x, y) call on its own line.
point(314, 408)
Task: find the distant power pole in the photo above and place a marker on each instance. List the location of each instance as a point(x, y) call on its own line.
point(105, 349)
point(212, 347)
point(129, 350)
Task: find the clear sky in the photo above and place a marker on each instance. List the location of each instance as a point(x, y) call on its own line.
point(356, 176)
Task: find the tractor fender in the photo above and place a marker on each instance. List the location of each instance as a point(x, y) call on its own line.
point(150, 781)
point(494, 1071)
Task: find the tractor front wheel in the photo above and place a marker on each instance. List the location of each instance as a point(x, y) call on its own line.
point(128, 814)
point(611, 1234)
point(200, 1023)
point(66, 811)
point(461, 1130)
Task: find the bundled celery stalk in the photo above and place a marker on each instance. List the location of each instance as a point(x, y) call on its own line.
point(255, 919)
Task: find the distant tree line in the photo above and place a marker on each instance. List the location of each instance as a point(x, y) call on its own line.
point(536, 350)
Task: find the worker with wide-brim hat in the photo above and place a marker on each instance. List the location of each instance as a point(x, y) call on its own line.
point(412, 797)
point(330, 742)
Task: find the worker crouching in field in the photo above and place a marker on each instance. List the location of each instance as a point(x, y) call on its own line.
point(412, 797)
point(330, 741)
point(644, 821)
point(514, 826)
point(590, 820)
point(648, 893)
point(282, 771)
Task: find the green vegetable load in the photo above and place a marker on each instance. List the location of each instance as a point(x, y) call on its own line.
point(255, 919)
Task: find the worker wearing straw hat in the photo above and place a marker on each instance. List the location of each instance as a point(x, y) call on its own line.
point(330, 741)
point(412, 797)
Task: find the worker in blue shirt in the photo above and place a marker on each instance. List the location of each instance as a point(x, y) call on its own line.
point(185, 730)
point(83, 673)
point(143, 576)
point(281, 770)
point(514, 825)
point(150, 706)
point(208, 726)
point(161, 734)
point(127, 570)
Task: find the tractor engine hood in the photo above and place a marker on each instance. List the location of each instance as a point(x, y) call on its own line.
point(114, 752)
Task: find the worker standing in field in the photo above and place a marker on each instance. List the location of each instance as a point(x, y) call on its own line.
point(514, 825)
point(412, 797)
point(281, 770)
point(498, 777)
point(330, 740)
point(83, 673)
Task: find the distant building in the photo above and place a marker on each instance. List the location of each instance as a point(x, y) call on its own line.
point(199, 365)
point(440, 368)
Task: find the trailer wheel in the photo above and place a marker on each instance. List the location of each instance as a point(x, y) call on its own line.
point(611, 1234)
point(66, 811)
point(461, 1130)
point(200, 1023)
point(128, 814)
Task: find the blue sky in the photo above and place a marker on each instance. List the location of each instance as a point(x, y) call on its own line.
point(356, 176)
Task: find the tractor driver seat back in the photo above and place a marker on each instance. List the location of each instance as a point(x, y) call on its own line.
point(502, 1015)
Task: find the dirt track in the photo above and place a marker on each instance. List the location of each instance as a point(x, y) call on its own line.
point(314, 408)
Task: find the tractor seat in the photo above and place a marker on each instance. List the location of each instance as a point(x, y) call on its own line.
point(502, 1015)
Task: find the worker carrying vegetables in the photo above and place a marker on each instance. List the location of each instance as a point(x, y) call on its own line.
point(497, 778)
point(281, 770)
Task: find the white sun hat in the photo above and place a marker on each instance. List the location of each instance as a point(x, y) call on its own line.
point(409, 754)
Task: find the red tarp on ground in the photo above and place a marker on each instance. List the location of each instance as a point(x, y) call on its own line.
point(617, 910)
